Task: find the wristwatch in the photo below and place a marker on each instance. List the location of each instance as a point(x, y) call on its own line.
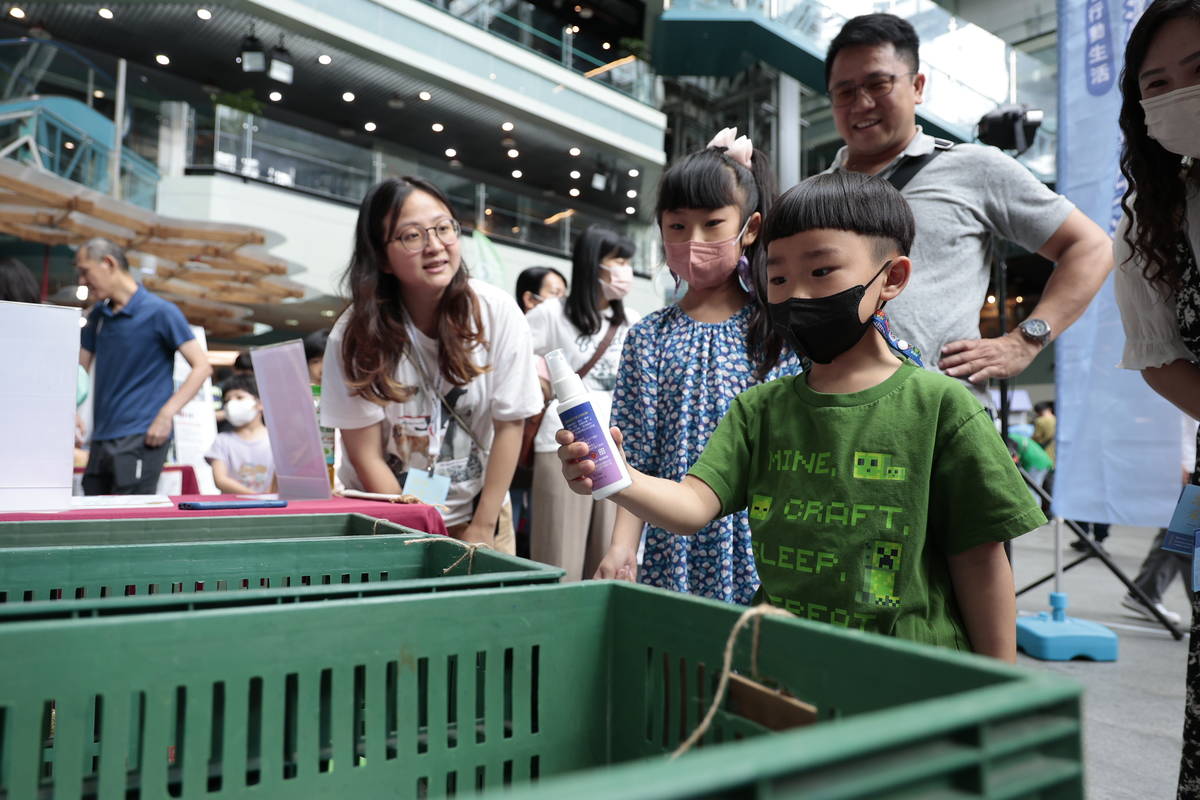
point(1036, 331)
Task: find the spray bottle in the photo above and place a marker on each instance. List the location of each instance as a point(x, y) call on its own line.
point(578, 416)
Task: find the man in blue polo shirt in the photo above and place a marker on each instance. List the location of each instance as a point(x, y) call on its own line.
point(132, 336)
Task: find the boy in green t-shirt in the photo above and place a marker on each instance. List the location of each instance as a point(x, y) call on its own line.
point(879, 493)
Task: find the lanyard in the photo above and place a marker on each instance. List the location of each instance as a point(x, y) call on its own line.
point(439, 401)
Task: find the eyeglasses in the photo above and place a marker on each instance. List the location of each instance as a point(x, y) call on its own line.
point(415, 238)
point(876, 86)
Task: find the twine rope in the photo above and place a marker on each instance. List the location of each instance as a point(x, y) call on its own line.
point(469, 550)
point(755, 614)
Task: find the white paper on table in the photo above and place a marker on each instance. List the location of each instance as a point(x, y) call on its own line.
point(39, 357)
point(196, 423)
point(281, 372)
point(122, 501)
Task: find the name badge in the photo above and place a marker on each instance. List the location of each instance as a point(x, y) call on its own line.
point(1180, 536)
point(427, 487)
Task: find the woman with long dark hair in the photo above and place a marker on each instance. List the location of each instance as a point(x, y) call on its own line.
point(427, 373)
point(1157, 246)
point(569, 530)
point(537, 284)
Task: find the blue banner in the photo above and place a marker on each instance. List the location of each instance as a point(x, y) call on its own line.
point(1119, 443)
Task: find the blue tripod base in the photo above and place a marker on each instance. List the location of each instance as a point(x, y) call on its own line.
point(1056, 637)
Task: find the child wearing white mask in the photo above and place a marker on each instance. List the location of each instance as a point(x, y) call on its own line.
point(589, 325)
point(241, 459)
point(683, 365)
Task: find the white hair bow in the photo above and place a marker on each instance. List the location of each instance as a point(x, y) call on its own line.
point(739, 148)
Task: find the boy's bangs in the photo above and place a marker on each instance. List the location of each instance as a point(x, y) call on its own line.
point(700, 180)
point(846, 201)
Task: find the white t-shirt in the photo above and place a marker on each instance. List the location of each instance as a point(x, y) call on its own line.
point(248, 461)
point(553, 331)
point(507, 391)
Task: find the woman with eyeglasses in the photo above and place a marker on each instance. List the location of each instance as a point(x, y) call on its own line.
point(1157, 249)
point(427, 373)
point(589, 326)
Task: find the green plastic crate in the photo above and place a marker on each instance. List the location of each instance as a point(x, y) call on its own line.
point(82, 580)
point(573, 691)
point(53, 533)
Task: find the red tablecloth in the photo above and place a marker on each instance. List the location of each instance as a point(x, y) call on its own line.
point(417, 516)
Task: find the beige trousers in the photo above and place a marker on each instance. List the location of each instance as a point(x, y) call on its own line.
point(569, 530)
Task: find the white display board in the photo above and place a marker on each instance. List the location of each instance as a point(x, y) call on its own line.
point(39, 357)
point(196, 423)
point(281, 372)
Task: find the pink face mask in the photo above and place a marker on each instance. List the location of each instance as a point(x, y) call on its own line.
point(620, 281)
point(705, 264)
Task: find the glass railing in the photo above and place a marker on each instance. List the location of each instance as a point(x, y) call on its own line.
point(223, 139)
point(970, 71)
point(535, 29)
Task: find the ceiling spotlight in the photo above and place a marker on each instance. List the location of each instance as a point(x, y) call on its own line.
point(81, 293)
point(426, 96)
point(574, 192)
point(633, 173)
point(254, 58)
point(275, 97)
point(630, 210)
point(281, 68)
point(606, 46)
point(327, 313)
point(348, 97)
point(291, 322)
point(1020, 299)
point(324, 59)
point(16, 12)
point(578, 9)
point(105, 13)
point(574, 29)
point(369, 127)
point(514, 153)
point(515, 228)
point(162, 59)
point(599, 181)
point(451, 152)
point(98, 94)
point(437, 127)
point(487, 212)
point(204, 14)
point(632, 193)
point(574, 151)
point(507, 126)
point(71, 146)
point(516, 173)
point(991, 298)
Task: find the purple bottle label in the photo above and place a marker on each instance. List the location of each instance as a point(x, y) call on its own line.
point(581, 421)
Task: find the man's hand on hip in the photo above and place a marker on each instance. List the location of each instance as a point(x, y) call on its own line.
point(979, 359)
point(159, 432)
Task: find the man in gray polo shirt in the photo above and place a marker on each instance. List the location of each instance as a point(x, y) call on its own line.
point(961, 199)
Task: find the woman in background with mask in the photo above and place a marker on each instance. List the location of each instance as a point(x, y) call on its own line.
point(569, 530)
point(685, 363)
point(1158, 244)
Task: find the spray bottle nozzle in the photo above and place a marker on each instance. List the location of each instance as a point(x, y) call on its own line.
point(566, 382)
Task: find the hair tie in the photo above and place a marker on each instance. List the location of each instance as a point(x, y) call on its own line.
point(739, 148)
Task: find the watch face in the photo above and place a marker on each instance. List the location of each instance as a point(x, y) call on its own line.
point(1036, 328)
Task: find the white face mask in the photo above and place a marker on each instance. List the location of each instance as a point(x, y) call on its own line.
point(241, 411)
point(1173, 120)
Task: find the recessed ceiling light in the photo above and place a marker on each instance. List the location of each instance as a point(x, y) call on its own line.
point(574, 151)
point(369, 126)
point(633, 173)
point(507, 126)
point(81, 293)
point(606, 46)
point(516, 173)
point(425, 95)
point(487, 212)
point(275, 97)
point(574, 29)
point(162, 59)
point(237, 60)
point(513, 153)
point(630, 210)
point(16, 12)
point(451, 152)
point(515, 228)
point(574, 192)
point(328, 313)
point(292, 322)
point(632, 193)
point(203, 13)
point(492, 75)
point(575, 174)
point(578, 9)
point(98, 94)
point(438, 127)
point(69, 145)
point(324, 59)
point(348, 97)
point(105, 13)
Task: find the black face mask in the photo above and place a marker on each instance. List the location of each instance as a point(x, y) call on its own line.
point(822, 328)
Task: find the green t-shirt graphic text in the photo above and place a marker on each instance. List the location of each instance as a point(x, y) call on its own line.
point(855, 500)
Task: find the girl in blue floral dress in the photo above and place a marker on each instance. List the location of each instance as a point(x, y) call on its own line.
point(682, 365)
